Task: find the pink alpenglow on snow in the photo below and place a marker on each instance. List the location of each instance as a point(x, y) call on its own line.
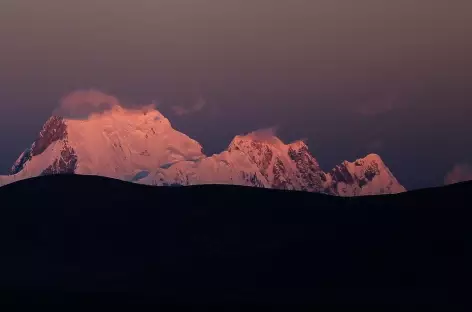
point(140, 145)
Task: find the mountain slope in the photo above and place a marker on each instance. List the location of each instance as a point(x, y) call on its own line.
point(118, 143)
point(141, 146)
point(83, 237)
point(271, 163)
point(365, 176)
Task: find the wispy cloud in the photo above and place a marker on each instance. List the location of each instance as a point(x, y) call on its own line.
point(181, 110)
point(460, 173)
point(82, 103)
point(263, 134)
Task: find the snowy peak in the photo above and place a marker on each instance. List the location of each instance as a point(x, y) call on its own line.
point(291, 166)
point(270, 163)
point(117, 142)
point(298, 146)
point(283, 166)
point(271, 157)
point(247, 143)
point(308, 170)
point(365, 176)
point(138, 117)
point(122, 142)
point(365, 169)
point(55, 129)
point(261, 153)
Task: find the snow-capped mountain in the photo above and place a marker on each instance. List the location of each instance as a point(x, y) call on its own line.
point(141, 146)
point(250, 161)
point(118, 143)
point(271, 163)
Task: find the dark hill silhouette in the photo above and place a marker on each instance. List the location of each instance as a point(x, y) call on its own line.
point(74, 238)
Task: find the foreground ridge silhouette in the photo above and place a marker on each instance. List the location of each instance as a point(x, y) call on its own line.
point(73, 238)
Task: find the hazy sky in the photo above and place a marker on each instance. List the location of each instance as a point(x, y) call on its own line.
point(392, 77)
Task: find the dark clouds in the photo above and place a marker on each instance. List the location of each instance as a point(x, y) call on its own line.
point(341, 73)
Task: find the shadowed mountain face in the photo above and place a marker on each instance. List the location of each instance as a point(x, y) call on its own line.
point(72, 238)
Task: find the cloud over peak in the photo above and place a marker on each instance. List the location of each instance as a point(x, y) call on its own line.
point(182, 111)
point(83, 103)
point(265, 134)
point(460, 173)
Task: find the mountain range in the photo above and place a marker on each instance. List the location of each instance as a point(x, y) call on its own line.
point(140, 145)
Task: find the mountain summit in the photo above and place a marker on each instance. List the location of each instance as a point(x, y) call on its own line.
point(140, 145)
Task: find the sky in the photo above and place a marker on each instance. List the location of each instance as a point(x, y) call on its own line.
point(350, 77)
